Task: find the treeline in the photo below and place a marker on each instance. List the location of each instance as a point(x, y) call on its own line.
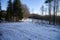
point(15, 11)
point(53, 11)
point(47, 18)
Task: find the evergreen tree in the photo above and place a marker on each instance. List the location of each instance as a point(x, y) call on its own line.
point(17, 9)
point(9, 11)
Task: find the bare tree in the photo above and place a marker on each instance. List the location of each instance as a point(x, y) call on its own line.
point(25, 11)
point(42, 10)
point(49, 8)
point(57, 9)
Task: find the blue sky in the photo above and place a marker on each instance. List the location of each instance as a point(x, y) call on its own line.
point(33, 5)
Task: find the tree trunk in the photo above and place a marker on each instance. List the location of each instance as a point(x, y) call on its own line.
point(54, 8)
point(49, 13)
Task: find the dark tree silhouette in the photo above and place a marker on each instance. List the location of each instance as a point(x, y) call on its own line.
point(55, 10)
point(17, 9)
point(49, 5)
point(9, 11)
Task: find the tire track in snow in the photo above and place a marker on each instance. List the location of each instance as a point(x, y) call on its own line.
point(25, 33)
point(28, 35)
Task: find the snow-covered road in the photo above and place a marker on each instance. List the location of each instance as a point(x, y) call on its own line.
point(28, 31)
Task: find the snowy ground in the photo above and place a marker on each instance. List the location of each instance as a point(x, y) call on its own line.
point(28, 31)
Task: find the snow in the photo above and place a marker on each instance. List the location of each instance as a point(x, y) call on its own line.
point(28, 31)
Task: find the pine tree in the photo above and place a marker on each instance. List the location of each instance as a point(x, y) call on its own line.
point(17, 9)
point(9, 11)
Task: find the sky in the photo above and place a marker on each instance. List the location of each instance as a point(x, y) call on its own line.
point(33, 5)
